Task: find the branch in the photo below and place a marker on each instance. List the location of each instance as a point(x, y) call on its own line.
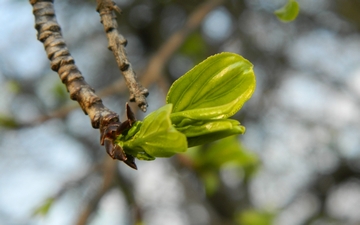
point(156, 63)
point(109, 172)
point(49, 33)
point(117, 45)
point(127, 189)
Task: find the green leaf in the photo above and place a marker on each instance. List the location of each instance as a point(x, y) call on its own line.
point(288, 12)
point(206, 127)
point(156, 137)
point(204, 131)
point(44, 208)
point(127, 135)
point(214, 89)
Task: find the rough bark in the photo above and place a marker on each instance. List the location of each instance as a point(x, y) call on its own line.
point(117, 45)
point(49, 33)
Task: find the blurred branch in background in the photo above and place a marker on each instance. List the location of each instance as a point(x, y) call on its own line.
point(155, 66)
point(108, 176)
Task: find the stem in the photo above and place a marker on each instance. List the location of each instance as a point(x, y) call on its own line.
point(49, 33)
point(117, 45)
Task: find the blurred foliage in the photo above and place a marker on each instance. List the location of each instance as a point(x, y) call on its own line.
point(288, 12)
point(194, 47)
point(350, 10)
point(209, 159)
point(8, 122)
point(224, 151)
point(13, 86)
point(43, 210)
point(60, 93)
point(253, 217)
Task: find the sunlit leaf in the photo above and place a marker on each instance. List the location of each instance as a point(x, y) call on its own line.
point(214, 89)
point(288, 12)
point(156, 137)
point(207, 131)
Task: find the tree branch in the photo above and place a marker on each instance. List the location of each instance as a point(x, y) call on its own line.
point(49, 33)
point(117, 45)
point(109, 172)
point(156, 63)
point(127, 189)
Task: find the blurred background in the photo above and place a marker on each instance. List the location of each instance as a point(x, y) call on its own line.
point(298, 162)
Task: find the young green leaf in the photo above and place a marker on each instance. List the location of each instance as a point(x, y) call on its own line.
point(288, 12)
point(156, 137)
point(205, 131)
point(214, 89)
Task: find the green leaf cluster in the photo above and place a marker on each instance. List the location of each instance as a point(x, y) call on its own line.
point(206, 96)
point(198, 108)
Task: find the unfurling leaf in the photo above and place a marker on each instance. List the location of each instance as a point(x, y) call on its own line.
point(210, 93)
point(206, 131)
point(288, 12)
point(156, 137)
point(214, 89)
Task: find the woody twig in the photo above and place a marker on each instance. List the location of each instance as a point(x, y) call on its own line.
point(117, 45)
